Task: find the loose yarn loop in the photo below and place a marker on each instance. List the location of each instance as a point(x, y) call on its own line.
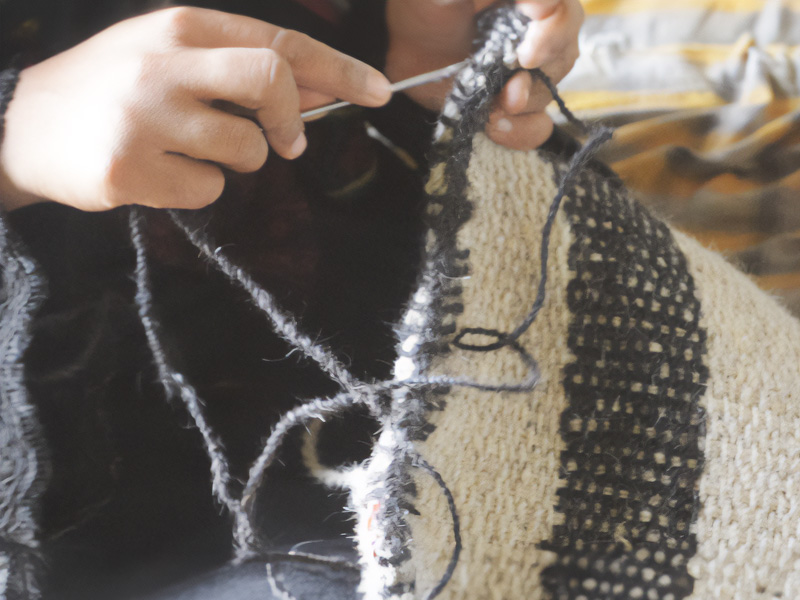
point(598, 137)
point(355, 393)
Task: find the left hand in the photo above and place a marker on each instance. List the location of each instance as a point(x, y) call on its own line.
point(428, 34)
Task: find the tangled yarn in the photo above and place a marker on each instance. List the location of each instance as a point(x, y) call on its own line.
point(474, 104)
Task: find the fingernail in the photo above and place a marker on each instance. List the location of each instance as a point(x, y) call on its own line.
point(526, 51)
point(503, 125)
point(518, 97)
point(299, 145)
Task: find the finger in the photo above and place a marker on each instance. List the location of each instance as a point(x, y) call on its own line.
point(552, 36)
point(516, 95)
point(523, 94)
point(315, 65)
point(520, 132)
point(213, 135)
point(280, 113)
point(254, 78)
point(324, 70)
point(172, 181)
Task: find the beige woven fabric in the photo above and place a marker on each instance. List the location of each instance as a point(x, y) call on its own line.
point(487, 444)
point(749, 523)
point(500, 452)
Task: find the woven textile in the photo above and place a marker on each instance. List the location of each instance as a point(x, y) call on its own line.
point(658, 455)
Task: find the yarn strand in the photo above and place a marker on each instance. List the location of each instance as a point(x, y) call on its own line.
point(284, 324)
point(579, 159)
point(174, 383)
point(420, 463)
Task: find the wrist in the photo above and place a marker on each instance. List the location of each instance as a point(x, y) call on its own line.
point(11, 197)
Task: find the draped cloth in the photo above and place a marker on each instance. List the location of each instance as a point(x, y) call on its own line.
point(706, 99)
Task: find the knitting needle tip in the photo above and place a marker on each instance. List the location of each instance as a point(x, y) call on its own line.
point(399, 86)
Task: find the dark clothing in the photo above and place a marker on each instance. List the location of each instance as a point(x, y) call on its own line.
point(127, 507)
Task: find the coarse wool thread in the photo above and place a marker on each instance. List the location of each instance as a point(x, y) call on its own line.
point(24, 456)
point(173, 382)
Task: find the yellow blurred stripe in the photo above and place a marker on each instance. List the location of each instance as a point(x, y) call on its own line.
point(783, 281)
point(639, 99)
point(709, 54)
point(604, 100)
point(721, 241)
point(611, 7)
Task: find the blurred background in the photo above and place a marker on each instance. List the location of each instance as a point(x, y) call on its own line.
point(706, 98)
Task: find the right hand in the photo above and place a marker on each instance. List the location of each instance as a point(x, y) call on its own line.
point(429, 34)
point(126, 117)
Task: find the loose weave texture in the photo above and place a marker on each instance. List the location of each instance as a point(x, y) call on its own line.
point(658, 457)
point(24, 460)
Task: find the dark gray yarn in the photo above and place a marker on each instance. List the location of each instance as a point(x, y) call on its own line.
point(8, 82)
point(356, 393)
point(285, 324)
point(318, 409)
point(420, 463)
point(359, 395)
point(24, 458)
point(174, 383)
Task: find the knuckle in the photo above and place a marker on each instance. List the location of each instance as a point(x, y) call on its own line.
point(277, 69)
point(179, 21)
point(106, 202)
point(279, 96)
point(151, 72)
point(257, 155)
point(245, 146)
point(352, 74)
point(287, 41)
point(574, 54)
point(565, 63)
point(240, 148)
point(267, 72)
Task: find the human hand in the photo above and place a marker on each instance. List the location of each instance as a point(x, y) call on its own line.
point(428, 34)
point(131, 115)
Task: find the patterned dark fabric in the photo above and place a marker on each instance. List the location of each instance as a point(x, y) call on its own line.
point(23, 452)
point(633, 430)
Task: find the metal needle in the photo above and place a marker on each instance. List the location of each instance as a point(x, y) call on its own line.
point(405, 84)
